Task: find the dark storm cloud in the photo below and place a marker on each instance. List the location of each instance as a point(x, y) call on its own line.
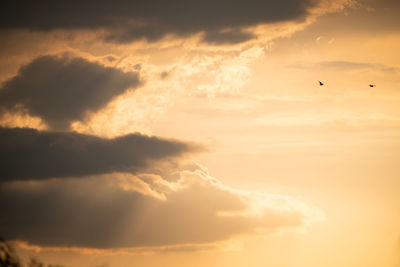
point(97, 213)
point(153, 19)
point(61, 89)
point(28, 154)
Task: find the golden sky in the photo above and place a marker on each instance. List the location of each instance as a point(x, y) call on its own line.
point(186, 133)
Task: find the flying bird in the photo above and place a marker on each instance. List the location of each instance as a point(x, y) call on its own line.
point(320, 83)
point(372, 85)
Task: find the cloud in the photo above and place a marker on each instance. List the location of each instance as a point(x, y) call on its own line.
point(28, 154)
point(197, 209)
point(345, 66)
point(221, 21)
point(350, 65)
point(61, 89)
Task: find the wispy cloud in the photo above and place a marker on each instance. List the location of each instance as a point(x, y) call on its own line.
point(345, 66)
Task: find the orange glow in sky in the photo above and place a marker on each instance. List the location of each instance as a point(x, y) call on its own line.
point(197, 134)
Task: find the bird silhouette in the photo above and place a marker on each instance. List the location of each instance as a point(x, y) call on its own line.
point(320, 83)
point(372, 85)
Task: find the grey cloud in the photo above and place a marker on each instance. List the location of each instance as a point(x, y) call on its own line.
point(236, 36)
point(28, 154)
point(153, 19)
point(97, 213)
point(368, 18)
point(61, 89)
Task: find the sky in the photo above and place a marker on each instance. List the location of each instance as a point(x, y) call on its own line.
point(196, 133)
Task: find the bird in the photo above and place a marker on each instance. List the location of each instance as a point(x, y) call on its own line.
point(320, 83)
point(372, 85)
